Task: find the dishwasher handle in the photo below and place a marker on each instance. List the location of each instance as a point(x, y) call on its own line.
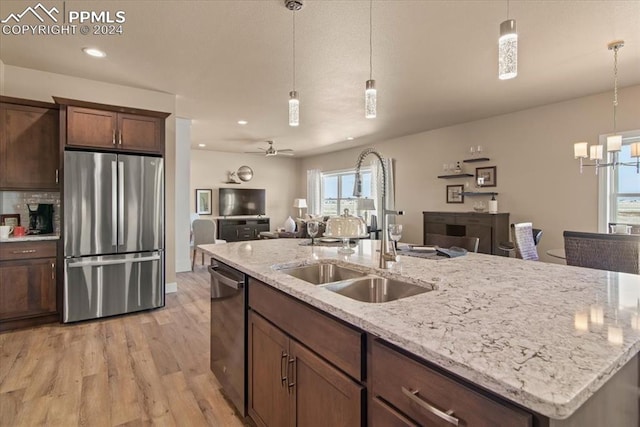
point(224, 280)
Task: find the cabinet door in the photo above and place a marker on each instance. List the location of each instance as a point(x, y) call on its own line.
point(435, 228)
point(27, 288)
point(139, 133)
point(323, 395)
point(269, 393)
point(29, 151)
point(228, 232)
point(91, 128)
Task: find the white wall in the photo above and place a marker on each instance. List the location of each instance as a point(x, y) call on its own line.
point(41, 86)
point(537, 176)
point(183, 172)
point(280, 176)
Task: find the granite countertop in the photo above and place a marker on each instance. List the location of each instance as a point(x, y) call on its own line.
point(543, 335)
point(30, 238)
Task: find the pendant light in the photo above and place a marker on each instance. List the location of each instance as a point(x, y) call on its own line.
point(582, 150)
point(370, 95)
point(508, 49)
point(294, 102)
point(614, 142)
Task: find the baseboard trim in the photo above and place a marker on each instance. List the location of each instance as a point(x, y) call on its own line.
point(170, 288)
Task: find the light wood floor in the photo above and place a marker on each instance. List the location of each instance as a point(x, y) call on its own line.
point(150, 368)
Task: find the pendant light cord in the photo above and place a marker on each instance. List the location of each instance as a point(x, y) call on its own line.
point(294, 50)
point(507, 9)
point(370, 40)
point(615, 86)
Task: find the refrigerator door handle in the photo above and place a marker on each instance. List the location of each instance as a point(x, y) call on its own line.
point(112, 261)
point(114, 204)
point(120, 203)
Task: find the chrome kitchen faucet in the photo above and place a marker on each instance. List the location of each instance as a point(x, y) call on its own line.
point(386, 253)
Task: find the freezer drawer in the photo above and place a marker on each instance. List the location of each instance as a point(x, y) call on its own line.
point(108, 285)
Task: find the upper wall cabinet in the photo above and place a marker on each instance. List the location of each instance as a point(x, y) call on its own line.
point(99, 126)
point(29, 145)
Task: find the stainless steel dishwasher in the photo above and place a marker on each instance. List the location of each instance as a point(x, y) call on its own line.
point(229, 332)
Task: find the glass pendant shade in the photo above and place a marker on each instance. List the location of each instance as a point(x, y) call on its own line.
point(370, 101)
point(508, 50)
point(294, 109)
point(635, 149)
point(580, 150)
point(614, 143)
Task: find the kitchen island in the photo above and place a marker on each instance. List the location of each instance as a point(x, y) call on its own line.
point(543, 336)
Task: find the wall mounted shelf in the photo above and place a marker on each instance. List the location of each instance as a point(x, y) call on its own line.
point(479, 159)
point(479, 193)
point(457, 175)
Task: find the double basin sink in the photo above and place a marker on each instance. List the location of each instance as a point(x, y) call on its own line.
point(355, 284)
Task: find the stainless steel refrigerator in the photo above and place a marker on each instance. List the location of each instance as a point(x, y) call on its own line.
point(113, 234)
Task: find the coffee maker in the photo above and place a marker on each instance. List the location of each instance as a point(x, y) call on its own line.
point(40, 218)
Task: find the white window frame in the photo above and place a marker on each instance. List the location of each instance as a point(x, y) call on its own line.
point(607, 184)
point(338, 173)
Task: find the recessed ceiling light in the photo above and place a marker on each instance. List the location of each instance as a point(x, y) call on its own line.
point(242, 122)
point(349, 138)
point(202, 145)
point(97, 53)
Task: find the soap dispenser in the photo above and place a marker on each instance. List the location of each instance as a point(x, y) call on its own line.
point(493, 205)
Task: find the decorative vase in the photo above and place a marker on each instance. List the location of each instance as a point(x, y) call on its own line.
point(289, 225)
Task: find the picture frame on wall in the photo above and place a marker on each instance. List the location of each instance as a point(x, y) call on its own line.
point(486, 176)
point(203, 201)
point(10, 219)
point(454, 194)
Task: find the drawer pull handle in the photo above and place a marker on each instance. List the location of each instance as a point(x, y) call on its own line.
point(447, 416)
point(283, 368)
point(26, 251)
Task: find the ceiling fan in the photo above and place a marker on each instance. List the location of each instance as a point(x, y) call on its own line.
point(271, 151)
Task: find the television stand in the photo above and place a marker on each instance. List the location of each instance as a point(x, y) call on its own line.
point(239, 229)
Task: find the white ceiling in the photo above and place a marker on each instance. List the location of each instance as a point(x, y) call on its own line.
point(434, 62)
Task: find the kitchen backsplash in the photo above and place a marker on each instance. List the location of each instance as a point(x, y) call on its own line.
point(16, 202)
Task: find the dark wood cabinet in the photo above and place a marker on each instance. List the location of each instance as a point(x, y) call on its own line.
point(234, 230)
point(491, 229)
point(301, 364)
point(28, 283)
point(289, 385)
point(88, 127)
point(268, 362)
point(109, 127)
point(420, 393)
point(29, 145)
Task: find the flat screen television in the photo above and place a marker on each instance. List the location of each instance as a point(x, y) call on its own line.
point(241, 201)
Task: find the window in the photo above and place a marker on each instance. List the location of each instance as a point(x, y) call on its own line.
point(620, 195)
point(337, 191)
point(624, 193)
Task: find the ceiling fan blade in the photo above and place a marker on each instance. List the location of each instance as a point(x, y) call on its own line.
point(280, 153)
point(285, 150)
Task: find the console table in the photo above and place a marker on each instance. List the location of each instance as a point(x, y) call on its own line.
point(237, 229)
point(489, 228)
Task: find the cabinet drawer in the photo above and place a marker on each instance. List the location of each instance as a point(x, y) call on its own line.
point(440, 219)
point(383, 415)
point(474, 219)
point(419, 392)
point(336, 342)
point(27, 250)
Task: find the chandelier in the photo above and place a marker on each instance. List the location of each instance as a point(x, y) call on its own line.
point(582, 150)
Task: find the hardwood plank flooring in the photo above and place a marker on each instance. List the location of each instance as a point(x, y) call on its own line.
point(150, 368)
